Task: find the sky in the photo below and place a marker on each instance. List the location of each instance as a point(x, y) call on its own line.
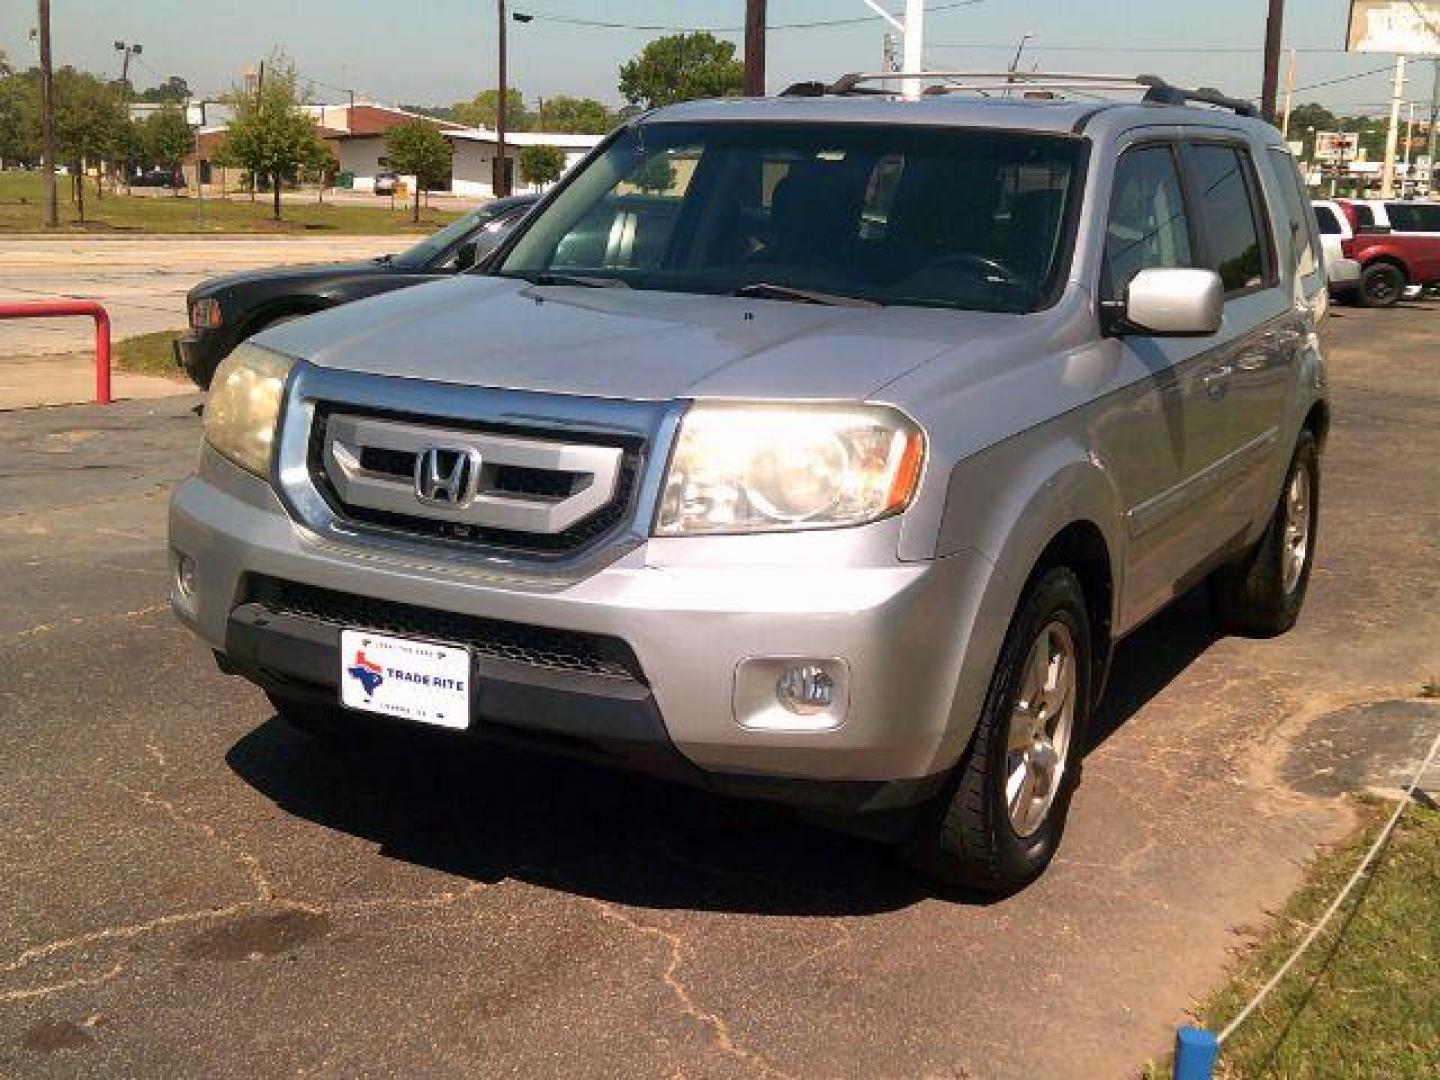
point(442, 51)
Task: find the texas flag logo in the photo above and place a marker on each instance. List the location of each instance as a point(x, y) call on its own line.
point(369, 673)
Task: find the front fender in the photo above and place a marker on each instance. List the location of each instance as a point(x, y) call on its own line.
point(1009, 502)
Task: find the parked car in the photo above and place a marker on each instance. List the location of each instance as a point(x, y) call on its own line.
point(1334, 226)
point(1397, 245)
point(386, 183)
point(224, 311)
point(829, 472)
point(158, 178)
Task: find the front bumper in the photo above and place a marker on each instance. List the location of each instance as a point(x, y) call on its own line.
point(691, 610)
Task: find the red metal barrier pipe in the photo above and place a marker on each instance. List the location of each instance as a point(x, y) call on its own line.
point(51, 309)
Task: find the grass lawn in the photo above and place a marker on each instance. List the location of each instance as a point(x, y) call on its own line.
point(1364, 1002)
point(22, 210)
point(149, 354)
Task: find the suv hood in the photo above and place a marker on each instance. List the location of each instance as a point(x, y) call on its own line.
point(289, 275)
point(614, 342)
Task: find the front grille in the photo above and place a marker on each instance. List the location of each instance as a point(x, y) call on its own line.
point(537, 646)
point(538, 486)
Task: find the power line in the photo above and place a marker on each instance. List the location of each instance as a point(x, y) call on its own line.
point(600, 24)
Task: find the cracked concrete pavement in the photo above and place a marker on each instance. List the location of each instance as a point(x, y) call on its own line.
point(187, 887)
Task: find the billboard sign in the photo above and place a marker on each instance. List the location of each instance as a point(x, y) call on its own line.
point(1394, 26)
point(1336, 146)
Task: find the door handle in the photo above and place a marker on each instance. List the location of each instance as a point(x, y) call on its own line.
point(1216, 380)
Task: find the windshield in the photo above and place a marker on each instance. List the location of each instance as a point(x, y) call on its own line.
point(438, 241)
point(959, 218)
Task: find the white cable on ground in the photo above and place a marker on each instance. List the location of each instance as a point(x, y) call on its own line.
point(1339, 899)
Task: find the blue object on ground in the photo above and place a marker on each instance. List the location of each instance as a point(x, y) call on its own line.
point(1195, 1052)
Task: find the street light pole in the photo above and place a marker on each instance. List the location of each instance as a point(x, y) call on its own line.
point(47, 120)
point(754, 48)
point(500, 183)
point(1274, 25)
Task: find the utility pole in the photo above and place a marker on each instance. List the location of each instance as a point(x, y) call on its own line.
point(1392, 133)
point(1434, 116)
point(500, 183)
point(914, 45)
point(47, 120)
point(754, 48)
point(1289, 95)
point(1274, 27)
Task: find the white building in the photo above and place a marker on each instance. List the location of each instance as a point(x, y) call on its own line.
point(472, 171)
point(357, 135)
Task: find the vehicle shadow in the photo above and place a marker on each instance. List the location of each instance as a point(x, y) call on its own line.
point(487, 813)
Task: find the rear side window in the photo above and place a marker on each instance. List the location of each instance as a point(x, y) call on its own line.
point(1300, 240)
point(1364, 216)
point(1232, 231)
point(1148, 225)
point(1329, 223)
point(1408, 217)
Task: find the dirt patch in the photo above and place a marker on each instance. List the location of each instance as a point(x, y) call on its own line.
point(48, 1036)
point(256, 936)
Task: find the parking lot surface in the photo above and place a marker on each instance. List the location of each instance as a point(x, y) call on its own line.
point(141, 280)
point(187, 887)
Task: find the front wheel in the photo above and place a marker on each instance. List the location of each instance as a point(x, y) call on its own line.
point(1261, 595)
point(1000, 819)
point(1381, 285)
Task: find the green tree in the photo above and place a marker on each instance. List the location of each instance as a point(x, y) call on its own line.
point(19, 118)
point(1305, 117)
point(268, 135)
point(319, 166)
point(480, 110)
point(418, 148)
point(682, 67)
point(90, 126)
point(174, 90)
point(541, 165)
point(165, 137)
point(584, 116)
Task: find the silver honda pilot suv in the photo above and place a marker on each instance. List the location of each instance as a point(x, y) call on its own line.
point(816, 449)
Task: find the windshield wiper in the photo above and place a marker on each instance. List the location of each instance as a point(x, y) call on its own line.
point(765, 290)
point(581, 280)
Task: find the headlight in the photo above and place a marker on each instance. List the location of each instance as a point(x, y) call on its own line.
point(244, 406)
point(772, 468)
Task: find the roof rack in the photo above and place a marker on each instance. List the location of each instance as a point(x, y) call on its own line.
point(1156, 90)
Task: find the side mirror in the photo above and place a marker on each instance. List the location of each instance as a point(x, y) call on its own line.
point(1171, 302)
point(466, 255)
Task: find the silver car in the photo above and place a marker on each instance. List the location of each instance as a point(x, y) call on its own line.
point(817, 448)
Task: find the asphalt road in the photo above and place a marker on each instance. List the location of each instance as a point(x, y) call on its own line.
point(142, 280)
point(189, 888)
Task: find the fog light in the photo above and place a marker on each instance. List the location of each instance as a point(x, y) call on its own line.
point(803, 695)
point(185, 575)
point(805, 689)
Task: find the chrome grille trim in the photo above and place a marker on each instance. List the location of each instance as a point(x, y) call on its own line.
point(596, 470)
point(647, 429)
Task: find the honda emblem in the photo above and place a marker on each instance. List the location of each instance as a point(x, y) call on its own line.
point(447, 476)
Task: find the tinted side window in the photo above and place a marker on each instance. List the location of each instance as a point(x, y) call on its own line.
point(1364, 216)
point(1407, 217)
point(1329, 223)
point(1301, 247)
point(1148, 226)
point(1231, 230)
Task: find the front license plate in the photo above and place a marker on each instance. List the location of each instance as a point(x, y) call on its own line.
point(410, 680)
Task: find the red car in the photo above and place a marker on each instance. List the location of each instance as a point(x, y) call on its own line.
point(1396, 243)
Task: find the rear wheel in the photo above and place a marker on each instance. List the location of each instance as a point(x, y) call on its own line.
point(1381, 285)
point(1000, 819)
point(1261, 595)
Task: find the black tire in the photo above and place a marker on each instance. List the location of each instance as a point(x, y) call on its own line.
point(1253, 596)
point(966, 838)
point(1381, 285)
